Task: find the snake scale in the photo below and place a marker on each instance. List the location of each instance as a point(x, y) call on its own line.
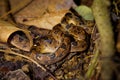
point(65, 37)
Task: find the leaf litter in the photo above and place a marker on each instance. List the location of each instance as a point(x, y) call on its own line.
point(16, 63)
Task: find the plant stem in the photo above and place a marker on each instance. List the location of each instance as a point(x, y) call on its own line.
point(92, 65)
point(102, 18)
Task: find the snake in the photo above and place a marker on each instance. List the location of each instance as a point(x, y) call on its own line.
point(65, 37)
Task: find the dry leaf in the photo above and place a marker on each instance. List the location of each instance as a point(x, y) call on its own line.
point(3, 7)
point(48, 21)
point(37, 8)
point(8, 35)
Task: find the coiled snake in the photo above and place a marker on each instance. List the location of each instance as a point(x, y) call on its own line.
point(67, 36)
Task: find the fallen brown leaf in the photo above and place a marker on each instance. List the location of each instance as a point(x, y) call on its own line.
point(48, 21)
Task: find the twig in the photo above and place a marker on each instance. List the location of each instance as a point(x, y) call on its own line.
point(92, 65)
point(26, 57)
point(102, 18)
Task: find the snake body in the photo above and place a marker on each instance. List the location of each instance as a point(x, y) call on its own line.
point(67, 36)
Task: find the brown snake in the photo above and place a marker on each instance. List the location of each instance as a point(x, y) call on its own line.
point(67, 36)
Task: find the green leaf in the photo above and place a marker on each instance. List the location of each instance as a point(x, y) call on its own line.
point(85, 12)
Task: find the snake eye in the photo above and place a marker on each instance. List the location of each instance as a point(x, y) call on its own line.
point(74, 43)
point(52, 56)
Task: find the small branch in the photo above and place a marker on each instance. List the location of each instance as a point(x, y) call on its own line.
point(92, 65)
point(11, 52)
